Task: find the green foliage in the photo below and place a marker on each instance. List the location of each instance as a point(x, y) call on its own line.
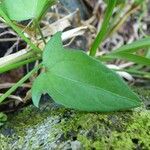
point(101, 35)
point(124, 1)
point(20, 82)
point(118, 1)
point(79, 81)
point(20, 10)
point(126, 52)
point(72, 78)
point(134, 46)
point(137, 2)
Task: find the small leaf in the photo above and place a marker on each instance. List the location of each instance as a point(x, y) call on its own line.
point(20, 10)
point(78, 81)
point(126, 52)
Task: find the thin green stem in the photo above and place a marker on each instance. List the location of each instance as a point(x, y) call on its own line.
point(19, 32)
point(22, 57)
point(18, 64)
point(40, 31)
point(104, 28)
point(13, 88)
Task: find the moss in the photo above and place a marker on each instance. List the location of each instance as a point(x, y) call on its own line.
point(4, 142)
point(112, 131)
point(3, 118)
point(56, 128)
point(28, 128)
point(134, 134)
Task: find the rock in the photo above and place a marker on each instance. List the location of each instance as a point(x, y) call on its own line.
point(76, 145)
point(73, 5)
point(52, 127)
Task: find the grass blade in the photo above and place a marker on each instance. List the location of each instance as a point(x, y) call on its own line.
point(13, 88)
point(18, 64)
point(134, 47)
point(129, 57)
point(103, 31)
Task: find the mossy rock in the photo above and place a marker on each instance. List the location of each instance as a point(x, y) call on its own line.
point(53, 127)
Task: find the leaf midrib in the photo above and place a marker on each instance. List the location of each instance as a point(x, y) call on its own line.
point(58, 91)
point(92, 86)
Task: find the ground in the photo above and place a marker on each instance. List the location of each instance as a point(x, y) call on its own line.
point(54, 127)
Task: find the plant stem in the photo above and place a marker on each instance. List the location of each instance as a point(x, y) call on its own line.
point(103, 31)
point(39, 29)
point(19, 32)
point(13, 88)
point(18, 64)
point(7, 60)
point(14, 61)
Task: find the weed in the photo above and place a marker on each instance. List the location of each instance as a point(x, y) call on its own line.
point(72, 78)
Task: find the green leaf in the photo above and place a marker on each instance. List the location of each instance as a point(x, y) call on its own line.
point(125, 52)
point(104, 29)
point(134, 46)
point(20, 10)
point(148, 53)
point(76, 80)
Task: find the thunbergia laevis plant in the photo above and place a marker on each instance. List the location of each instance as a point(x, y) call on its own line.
point(73, 78)
point(79, 81)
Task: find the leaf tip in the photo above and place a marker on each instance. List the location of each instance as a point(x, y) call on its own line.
point(36, 100)
point(137, 102)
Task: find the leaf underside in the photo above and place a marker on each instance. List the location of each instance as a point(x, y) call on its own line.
point(76, 80)
point(20, 10)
